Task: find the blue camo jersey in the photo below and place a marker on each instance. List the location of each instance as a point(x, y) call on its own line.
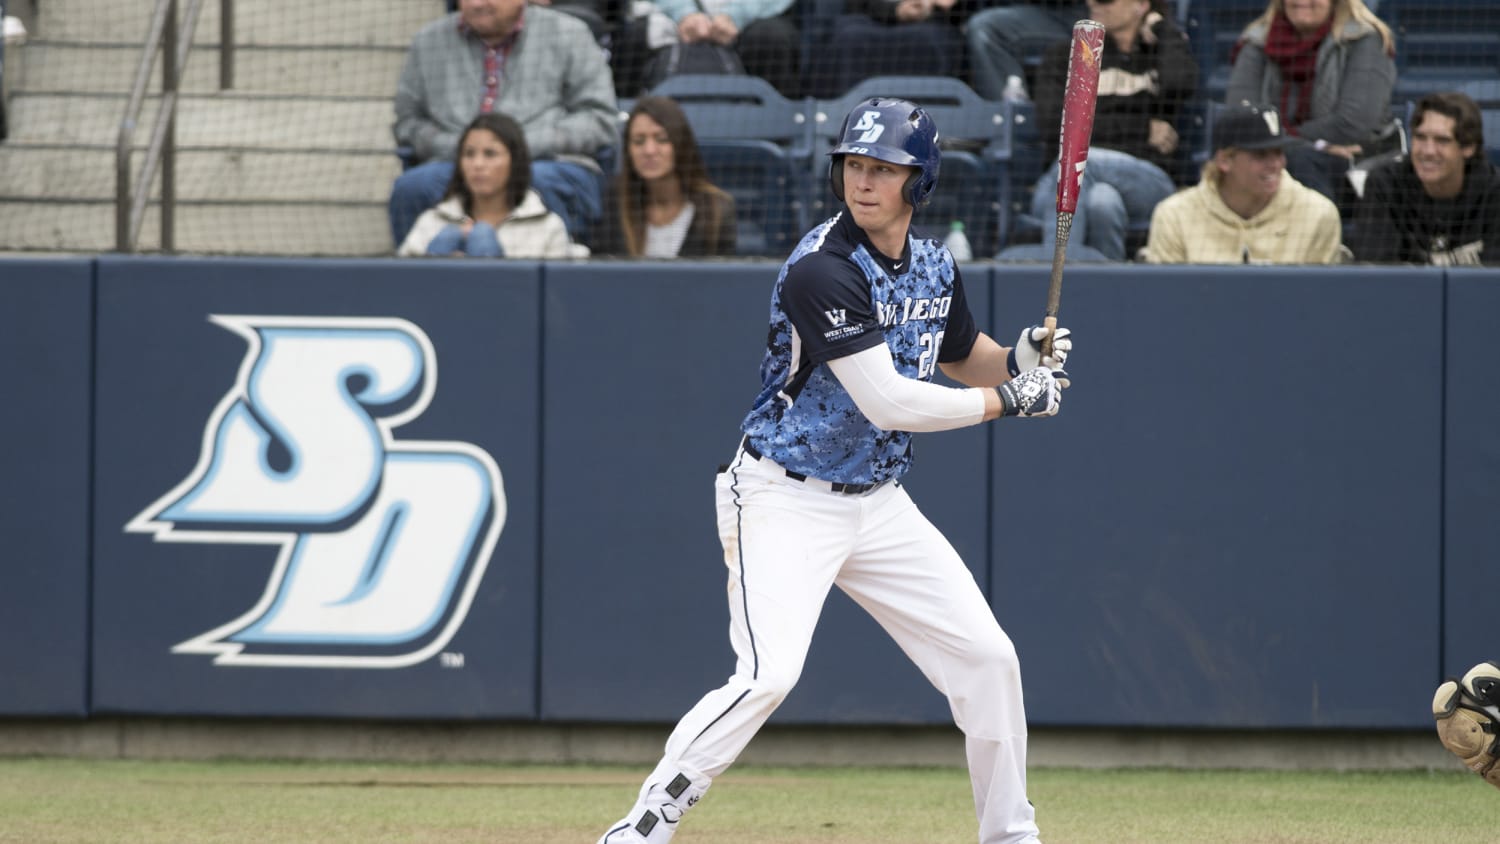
point(837, 295)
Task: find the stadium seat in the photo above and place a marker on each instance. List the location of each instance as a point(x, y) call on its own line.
point(1212, 27)
point(1440, 43)
point(755, 144)
point(978, 140)
point(1486, 92)
point(1483, 91)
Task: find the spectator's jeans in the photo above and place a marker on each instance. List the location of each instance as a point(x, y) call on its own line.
point(1324, 172)
point(998, 39)
point(1118, 189)
point(571, 190)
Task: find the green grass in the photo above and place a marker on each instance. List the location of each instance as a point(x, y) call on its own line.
point(73, 801)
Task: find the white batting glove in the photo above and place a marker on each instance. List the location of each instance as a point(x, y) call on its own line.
point(1027, 353)
point(1035, 392)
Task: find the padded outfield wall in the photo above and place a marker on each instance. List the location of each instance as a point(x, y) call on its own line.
point(437, 490)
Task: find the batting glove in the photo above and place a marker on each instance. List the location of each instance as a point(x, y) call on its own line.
point(1027, 353)
point(1035, 392)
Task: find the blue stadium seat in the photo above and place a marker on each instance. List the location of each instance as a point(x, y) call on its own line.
point(1482, 91)
point(1440, 43)
point(755, 144)
point(978, 139)
point(1212, 27)
point(1486, 92)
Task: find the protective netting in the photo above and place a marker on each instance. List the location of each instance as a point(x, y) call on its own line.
point(292, 152)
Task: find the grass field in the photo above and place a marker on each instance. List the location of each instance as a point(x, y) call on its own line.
point(71, 801)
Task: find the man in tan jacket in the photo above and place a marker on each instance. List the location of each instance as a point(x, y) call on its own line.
point(1246, 209)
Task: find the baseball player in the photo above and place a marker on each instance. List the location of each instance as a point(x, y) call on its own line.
point(864, 313)
point(1467, 710)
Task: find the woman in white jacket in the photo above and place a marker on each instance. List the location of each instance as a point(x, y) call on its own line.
point(489, 209)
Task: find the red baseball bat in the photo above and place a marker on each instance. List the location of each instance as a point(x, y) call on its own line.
point(1073, 149)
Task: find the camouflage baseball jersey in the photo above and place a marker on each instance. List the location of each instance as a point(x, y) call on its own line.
point(838, 295)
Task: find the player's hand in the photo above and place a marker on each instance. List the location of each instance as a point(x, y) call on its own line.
point(1035, 392)
point(1027, 353)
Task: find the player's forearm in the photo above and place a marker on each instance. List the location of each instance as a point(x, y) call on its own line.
point(984, 367)
point(893, 402)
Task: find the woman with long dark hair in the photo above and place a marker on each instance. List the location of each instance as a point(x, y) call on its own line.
point(489, 209)
point(662, 204)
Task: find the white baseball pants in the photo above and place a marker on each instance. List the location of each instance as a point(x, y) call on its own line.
point(785, 543)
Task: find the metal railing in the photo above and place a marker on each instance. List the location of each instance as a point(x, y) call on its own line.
point(162, 38)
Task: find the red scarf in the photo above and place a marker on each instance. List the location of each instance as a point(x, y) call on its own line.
point(1297, 56)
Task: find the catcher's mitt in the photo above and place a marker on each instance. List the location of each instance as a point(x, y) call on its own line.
point(1468, 719)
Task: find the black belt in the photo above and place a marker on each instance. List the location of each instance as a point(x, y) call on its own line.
point(843, 489)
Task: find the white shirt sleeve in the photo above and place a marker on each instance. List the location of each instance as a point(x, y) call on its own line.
point(893, 402)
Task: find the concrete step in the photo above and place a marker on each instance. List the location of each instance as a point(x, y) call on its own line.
point(219, 120)
point(88, 173)
point(61, 67)
point(332, 229)
point(382, 23)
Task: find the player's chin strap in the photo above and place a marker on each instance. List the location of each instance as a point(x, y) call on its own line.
point(1468, 719)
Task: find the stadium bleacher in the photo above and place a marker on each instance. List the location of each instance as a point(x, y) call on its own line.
point(1441, 44)
point(297, 157)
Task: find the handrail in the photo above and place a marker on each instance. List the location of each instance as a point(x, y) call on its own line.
point(162, 37)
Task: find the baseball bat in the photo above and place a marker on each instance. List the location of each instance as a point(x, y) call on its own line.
point(1073, 150)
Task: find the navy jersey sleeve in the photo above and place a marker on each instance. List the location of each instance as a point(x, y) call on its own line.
point(961, 332)
point(827, 299)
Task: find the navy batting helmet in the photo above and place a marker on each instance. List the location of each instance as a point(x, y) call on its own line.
point(895, 131)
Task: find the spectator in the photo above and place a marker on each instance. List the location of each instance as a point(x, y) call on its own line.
point(541, 67)
point(1246, 209)
point(1327, 66)
point(1146, 74)
point(761, 32)
point(999, 37)
point(1441, 204)
point(489, 209)
point(598, 14)
point(662, 204)
point(895, 37)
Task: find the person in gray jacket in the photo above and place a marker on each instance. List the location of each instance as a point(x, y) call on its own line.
point(541, 67)
point(1327, 66)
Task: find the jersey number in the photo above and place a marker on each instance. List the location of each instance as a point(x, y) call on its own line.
point(927, 361)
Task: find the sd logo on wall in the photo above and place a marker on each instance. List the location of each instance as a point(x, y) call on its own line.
point(381, 542)
point(299, 507)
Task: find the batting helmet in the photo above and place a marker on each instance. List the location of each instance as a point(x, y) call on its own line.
point(895, 131)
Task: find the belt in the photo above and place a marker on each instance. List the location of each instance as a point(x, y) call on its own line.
point(835, 486)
